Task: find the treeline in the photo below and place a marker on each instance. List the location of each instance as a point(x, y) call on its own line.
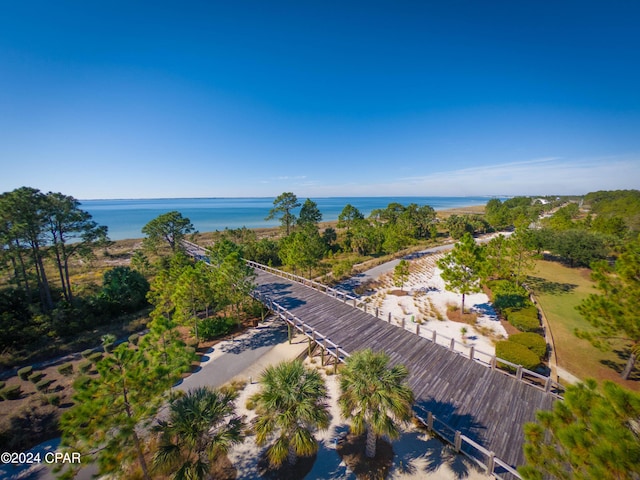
point(42, 235)
point(577, 230)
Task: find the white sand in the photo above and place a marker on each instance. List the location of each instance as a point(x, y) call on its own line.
point(427, 302)
point(417, 455)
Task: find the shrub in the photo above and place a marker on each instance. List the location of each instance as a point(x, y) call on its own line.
point(81, 381)
point(65, 369)
point(24, 373)
point(516, 353)
point(133, 339)
point(85, 366)
point(54, 400)
point(211, 328)
point(250, 404)
point(525, 319)
point(87, 352)
point(2, 384)
point(506, 294)
point(12, 393)
point(342, 269)
point(35, 377)
point(95, 357)
point(43, 385)
point(534, 342)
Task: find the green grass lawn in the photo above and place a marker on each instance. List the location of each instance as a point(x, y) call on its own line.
point(559, 290)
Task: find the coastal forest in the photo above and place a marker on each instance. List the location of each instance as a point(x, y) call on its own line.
point(116, 324)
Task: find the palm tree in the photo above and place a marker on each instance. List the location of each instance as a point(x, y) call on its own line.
point(197, 432)
point(292, 404)
point(374, 397)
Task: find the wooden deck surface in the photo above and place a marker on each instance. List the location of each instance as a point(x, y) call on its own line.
point(486, 405)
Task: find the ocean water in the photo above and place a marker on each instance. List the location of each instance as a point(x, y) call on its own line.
point(125, 218)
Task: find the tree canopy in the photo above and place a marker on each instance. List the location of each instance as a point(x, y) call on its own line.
point(170, 227)
point(592, 434)
point(291, 405)
point(374, 396)
point(283, 206)
point(462, 267)
point(309, 213)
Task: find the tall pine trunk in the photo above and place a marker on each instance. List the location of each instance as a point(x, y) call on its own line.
point(629, 367)
point(136, 439)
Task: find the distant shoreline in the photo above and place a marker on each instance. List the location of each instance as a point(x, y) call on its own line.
point(274, 231)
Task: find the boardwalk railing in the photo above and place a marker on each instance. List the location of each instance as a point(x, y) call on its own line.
point(461, 443)
point(489, 360)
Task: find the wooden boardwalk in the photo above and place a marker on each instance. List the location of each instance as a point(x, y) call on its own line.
point(484, 404)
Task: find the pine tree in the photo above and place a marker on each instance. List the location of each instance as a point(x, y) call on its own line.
point(109, 410)
point(590, 435)
point(615, 313)
point(462, 267)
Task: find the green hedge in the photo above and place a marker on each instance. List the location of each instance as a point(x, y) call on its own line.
point(85, 366)
point(66, 369)
point(95, 357)
point(80, 382)
point(534, 342)
point(87, 352)
point(35, 377)
point(525, 319)
point(43, 385)
point(12, 393)
point(133, 338)
point(506, 294)
point(24, 373)
point(516, 353)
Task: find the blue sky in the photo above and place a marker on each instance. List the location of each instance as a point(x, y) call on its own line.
point(126, 99)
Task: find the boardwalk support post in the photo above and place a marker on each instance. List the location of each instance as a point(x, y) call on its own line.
point(403, 322)
point(453, 344)
point(389, 318)
point(491, 463)
point(322, 355)
point(309, 346)
point(519, 372)
point(471, 352)
point(493, 362)
point(430, 421)
point(434, 336)
point(354, 303)
point(377, 311)
point(417, 329)
point(457, 442)
point(335, 365)
point(547, 385)
point(289, 332)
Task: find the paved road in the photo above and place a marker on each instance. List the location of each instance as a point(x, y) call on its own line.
point(352, 283)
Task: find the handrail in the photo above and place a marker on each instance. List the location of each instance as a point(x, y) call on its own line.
point(459, 440)
point(522, 374)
